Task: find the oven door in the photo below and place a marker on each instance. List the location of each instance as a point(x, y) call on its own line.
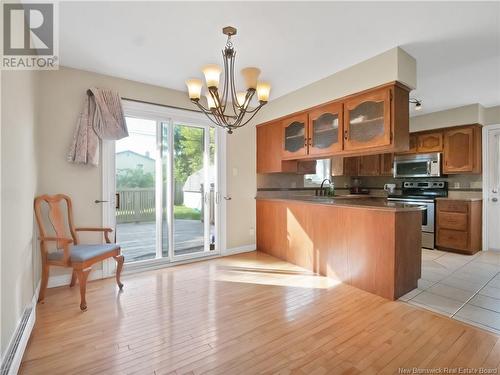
point(427, 214)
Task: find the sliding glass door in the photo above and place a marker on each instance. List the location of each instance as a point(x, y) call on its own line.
point(166, 180)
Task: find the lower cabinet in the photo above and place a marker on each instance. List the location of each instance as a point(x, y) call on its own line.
point(458, 225)
point(374, 250)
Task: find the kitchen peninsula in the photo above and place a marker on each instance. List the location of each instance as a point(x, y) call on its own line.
point(369, 243)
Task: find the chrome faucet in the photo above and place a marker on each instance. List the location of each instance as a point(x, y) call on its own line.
point(322, 189)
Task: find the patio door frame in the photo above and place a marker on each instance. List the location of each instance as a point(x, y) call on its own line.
point(163, 114)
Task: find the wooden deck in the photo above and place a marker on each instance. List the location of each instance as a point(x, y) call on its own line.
point(138, 239)
point(245, 314)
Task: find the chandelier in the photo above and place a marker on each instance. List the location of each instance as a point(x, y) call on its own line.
point(228, 108)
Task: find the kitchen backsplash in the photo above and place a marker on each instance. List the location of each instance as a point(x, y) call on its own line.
point(274, 185)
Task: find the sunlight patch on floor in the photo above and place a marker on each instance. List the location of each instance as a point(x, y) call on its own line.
point(288, 278)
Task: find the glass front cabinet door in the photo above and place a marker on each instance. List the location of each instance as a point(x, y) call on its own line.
point(367, 120)
point(295, 137)
point(325, 129)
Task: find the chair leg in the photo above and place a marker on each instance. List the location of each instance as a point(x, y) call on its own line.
point(44, 282)
point(73, 279)
point(82, 280)
point(119, 266)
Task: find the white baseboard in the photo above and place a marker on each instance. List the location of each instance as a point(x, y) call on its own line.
point(15, 355)
point(65, 279)
point(239, 250)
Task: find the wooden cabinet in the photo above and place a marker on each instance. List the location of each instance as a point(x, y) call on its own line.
point(462, 150)
point(325, 130)
point(369, 165)
point(269, 151)
point(430, 142)
point(458, 225)
point(387, 164)
point(374, 250)
point(294, 136)
point(351, 166)
point(368, 120)
point(372, 122)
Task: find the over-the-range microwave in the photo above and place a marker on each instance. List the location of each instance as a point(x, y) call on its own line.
point(420, 165)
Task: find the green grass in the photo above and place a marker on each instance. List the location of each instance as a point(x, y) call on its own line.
point(183, 212)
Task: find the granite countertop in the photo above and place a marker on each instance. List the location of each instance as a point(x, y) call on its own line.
point(473, 199)
point(364, 202)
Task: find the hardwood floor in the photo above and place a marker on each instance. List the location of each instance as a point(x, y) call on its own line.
point(244, 314)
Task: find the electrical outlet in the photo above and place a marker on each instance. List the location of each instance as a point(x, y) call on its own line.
point(235, 172)
point(251, 232)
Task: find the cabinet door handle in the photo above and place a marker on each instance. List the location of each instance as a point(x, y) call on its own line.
point(345, 134)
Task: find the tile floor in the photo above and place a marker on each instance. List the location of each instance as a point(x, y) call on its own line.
point(463, 287)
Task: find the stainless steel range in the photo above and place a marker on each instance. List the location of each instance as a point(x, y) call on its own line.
point(423, 193)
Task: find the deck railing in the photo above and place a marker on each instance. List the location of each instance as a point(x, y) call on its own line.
point(138, 205)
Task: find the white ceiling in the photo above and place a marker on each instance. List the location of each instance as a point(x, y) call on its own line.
point(457, 45)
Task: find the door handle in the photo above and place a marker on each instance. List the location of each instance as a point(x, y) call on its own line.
point(494, 191)
point(494, 199)
point(98, 201)
point(228, 198)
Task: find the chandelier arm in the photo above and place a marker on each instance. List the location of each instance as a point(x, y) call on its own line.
point(251, 117)
point(207, 113)
point(218, 110)
point(234, 98)
point(225, 91)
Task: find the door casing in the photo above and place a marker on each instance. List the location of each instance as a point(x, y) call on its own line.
point(486, 182)
point(164, 114)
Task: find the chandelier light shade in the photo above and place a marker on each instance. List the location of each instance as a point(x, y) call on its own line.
point(226, 107)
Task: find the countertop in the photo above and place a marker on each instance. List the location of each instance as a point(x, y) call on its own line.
point(357, 201)
point(459, 199)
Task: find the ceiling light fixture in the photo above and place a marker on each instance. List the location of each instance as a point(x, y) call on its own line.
point(417, 102)
point(229, 108)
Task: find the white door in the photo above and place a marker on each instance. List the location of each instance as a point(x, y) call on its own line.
point(491, 187)
point(163, 187)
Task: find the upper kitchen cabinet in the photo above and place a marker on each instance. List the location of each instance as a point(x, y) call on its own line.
point(386, 164)
point(269, 150)
point(369, 165)
point(462, 150)
point(325, 130)
point(430, 142)
point(413, 142)
point(368, 120)
point(294, 137)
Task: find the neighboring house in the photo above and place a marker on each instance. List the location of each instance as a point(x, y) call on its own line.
point(132, 160)
point(192, 188)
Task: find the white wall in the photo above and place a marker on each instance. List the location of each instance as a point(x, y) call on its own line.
point(468, 114)
point(392, 65)
point(61, 97)
point(20, 263)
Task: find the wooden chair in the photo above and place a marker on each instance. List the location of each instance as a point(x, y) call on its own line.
point(69, 252)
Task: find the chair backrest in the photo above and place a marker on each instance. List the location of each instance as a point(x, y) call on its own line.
point(55, 216)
